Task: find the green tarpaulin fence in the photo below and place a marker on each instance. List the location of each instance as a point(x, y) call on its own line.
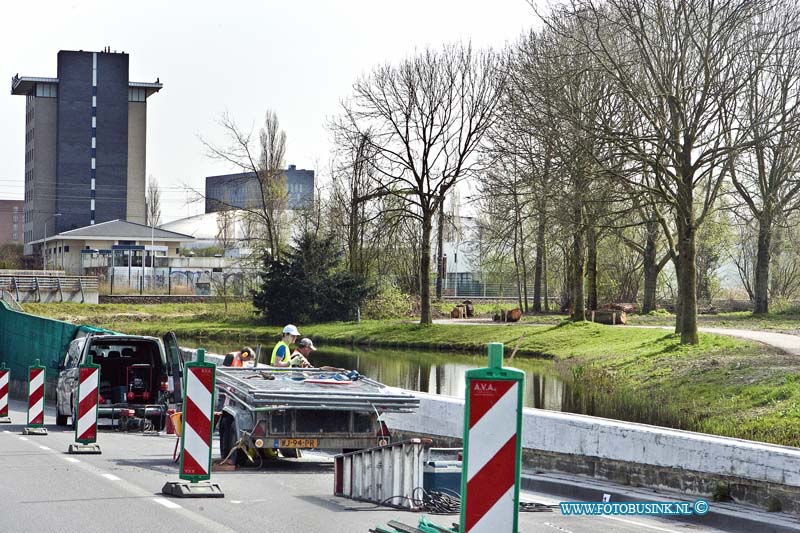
point(25, 338)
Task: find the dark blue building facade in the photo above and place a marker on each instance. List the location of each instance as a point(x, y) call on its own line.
point(242, 191)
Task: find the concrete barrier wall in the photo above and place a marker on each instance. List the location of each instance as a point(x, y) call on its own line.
point(629, 453)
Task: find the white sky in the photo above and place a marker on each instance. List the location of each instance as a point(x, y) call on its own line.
point(298, 58)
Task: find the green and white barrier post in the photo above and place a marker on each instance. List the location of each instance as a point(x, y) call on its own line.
point(492, 447)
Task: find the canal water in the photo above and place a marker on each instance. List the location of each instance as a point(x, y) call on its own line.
point(434, 372)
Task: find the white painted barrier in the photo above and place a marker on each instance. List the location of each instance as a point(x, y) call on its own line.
point(565, 433)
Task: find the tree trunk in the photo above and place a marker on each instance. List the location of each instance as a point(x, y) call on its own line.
point(425, 270)
point(578, 259)
point(440, 254)
point(762, 264)
point(591, 267)
point(538, 266)
point(650, 268)
point(544, 279)
point(516, 265)
point(678, 298)
point(688, 281)
point(524, 271)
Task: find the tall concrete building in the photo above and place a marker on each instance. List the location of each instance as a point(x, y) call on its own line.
point(242, 191)
point(85, 142)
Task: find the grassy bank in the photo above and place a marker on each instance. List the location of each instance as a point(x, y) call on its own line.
point(722, 386)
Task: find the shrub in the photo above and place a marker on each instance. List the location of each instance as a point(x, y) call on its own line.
point(388, 303)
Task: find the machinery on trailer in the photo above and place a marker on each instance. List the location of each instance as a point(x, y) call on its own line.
point(268, 408)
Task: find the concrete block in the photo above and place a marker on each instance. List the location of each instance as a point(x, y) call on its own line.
point(184, 489)
point(92, 448)
point(34, 431)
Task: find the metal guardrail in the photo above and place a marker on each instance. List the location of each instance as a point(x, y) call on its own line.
point(39, 284)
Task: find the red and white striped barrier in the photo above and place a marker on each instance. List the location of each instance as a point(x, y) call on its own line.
point(86, 428)
point(490, 482)
point(196, 427)
point(4, 375)
point(36, 395)
point(197, 414)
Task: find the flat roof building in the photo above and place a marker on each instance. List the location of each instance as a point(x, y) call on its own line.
point(85, 144)
point(242, 191)
point(11, 221)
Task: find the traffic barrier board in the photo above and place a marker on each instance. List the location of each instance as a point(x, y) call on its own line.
point(4, 375)
point(196, 427)
point(35, 424)
point(492, 447)
point(86, 413)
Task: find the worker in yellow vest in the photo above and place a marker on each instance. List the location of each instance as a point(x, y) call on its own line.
point(281, 352)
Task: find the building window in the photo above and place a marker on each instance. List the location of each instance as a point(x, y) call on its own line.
point(137, 94)
point(46, 90)
point(15, 236)
point(66, 249)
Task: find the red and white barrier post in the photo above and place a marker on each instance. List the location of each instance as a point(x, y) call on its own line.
point(197, 426)
point(492, 447)
point(4, 376)
point(35, 424)
point(86, 413)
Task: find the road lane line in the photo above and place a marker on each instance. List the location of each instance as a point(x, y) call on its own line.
point(72, 460)
point(45, 448)
point(22, 438)
point(166, 503)
point(112, 477)
point(639, 524)
point(6, 431)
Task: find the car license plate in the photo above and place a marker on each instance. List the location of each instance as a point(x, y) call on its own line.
point(298, 443)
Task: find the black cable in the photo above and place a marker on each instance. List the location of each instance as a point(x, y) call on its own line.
point(444, 501)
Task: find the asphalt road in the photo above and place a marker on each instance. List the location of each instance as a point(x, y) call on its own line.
point(42, 489)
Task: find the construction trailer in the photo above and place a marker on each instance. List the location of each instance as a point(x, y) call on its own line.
point(288, 409)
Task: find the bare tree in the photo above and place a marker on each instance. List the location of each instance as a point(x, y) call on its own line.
point(153, 200)
point(676, 69)
point(766, 173)
point(261, 160)
point(426, 117)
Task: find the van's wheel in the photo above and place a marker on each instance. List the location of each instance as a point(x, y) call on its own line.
point(227, 440)
point(61, 420)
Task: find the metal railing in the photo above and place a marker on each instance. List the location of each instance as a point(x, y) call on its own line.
point(8, 298)
point(22, 287)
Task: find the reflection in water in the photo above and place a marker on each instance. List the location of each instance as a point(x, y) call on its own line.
point(433, 372)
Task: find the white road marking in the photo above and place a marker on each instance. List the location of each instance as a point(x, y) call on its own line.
point(166, 503)
point(236, 501)
point(22, 438)
point(558, 527)
point(45, 448)
point(639, 524)
point(71, 459)
point(6, 431)
point(112, 477)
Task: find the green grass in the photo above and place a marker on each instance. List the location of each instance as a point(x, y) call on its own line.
point(723, 386)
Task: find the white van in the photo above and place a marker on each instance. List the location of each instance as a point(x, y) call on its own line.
point(137, 373)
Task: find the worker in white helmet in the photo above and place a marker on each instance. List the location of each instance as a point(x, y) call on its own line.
point(281, 351)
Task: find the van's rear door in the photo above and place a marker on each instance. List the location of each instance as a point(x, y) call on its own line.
point(175, 365)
